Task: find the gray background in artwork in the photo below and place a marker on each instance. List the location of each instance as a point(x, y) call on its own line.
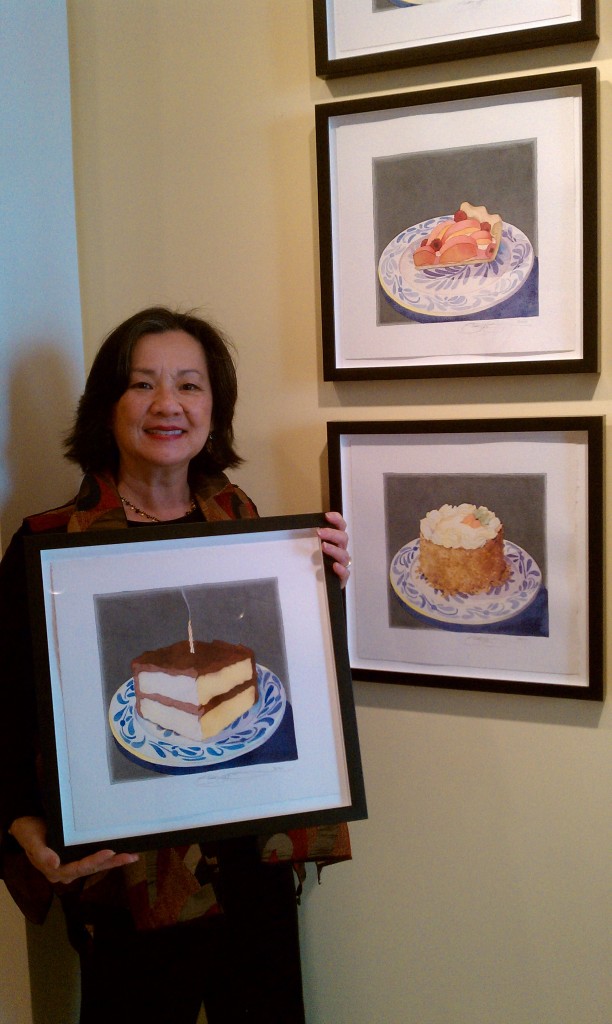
point(517, 499)
point(412, 187)
point(130, 623)
point(383, 5)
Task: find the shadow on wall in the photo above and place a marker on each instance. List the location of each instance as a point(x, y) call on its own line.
point(43, 390)
point(54, 971)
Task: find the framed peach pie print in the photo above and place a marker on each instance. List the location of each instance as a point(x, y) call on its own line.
point(458, 230)
point(477, 552)
point(193, 684)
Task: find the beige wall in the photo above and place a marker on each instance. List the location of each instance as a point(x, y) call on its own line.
point(479, 889)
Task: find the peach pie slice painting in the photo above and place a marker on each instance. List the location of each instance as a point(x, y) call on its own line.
point(456, 265)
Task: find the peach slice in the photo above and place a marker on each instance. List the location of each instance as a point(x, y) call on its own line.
point(463, 227)
point(460, 251)
point(424, 256)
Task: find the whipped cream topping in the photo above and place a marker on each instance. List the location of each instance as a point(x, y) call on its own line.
point(460, 526)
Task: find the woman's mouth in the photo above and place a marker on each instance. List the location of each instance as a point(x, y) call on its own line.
point(164, 432)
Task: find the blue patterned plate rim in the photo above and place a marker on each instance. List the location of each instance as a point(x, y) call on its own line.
point(146, 742)
point(497, 605)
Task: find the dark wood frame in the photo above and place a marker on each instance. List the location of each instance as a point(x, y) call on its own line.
point(328, 66)
point(326, 114)
point(207, 541)
point(593, 429)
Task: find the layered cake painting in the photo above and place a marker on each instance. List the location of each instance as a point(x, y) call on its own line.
point(196, 679)
point(456, 234)
point(463, 565)
point(195, 688)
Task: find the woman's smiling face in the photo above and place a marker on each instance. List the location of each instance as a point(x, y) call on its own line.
point(163, 418)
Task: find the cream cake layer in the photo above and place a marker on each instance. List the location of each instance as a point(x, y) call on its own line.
point(194, 726)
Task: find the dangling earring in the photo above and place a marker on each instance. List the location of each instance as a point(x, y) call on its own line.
point(209, 443)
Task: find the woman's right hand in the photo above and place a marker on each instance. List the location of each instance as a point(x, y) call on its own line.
point(31, 834)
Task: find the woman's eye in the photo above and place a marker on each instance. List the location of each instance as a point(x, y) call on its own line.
point(140, 385)
point(189, 387)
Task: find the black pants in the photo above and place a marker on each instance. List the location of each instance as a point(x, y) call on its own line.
point(244, 965)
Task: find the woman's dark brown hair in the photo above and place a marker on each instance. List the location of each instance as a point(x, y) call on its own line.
point(91, 444)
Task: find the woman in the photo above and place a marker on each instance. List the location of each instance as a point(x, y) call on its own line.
point(153, 434)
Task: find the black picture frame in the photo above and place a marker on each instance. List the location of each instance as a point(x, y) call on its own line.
point(540, 631)
point(101, 599)
point(399, 46)
point(390, 168)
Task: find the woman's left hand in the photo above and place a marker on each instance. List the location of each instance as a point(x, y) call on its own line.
point(334, 540)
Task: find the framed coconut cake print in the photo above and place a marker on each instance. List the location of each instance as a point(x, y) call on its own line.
point(458, 230)
point(360, 36)
point(477, 552)
point(193, 683)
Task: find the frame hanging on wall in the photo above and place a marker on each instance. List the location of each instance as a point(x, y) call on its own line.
point(458, 230)
point(477, 552)
point(358, 36)
point(128, 765)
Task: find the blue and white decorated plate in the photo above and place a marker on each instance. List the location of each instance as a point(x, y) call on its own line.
point(164, 750)
point(454, 290)
point(469, 610)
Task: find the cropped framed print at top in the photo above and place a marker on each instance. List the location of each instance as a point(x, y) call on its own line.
point(458, 230)
point(359, 36)
point(477, 552)
point(193, 683)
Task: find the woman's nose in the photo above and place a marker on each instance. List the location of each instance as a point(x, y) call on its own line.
point(166, 399)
